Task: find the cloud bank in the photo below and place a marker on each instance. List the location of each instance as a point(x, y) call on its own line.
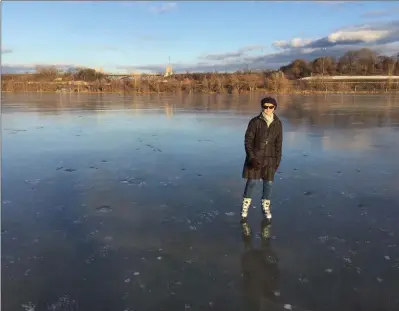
point(381, 37)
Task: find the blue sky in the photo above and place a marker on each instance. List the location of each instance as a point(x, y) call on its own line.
point(140, 36)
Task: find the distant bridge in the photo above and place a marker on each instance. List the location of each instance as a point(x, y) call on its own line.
point(133, 76)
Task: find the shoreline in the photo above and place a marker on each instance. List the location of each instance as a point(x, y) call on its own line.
point(290, 92)
point(239, 83)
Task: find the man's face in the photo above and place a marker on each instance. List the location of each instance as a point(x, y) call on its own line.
point(268, 109)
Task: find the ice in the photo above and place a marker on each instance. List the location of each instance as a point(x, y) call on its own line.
point(348, 195)
point(323, 239)
point(303, 279)
point(351, 251)
point(64, 303)
point(104, 209)
point(104, 251)
point(29, 306)
point(32, 182)
point(144, 219)
point(108, 238)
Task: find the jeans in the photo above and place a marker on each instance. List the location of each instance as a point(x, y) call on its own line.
point(267, 189)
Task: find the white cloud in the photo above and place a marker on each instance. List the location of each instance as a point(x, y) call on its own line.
point(381, 13)
point(366, 36)
point(233, 54)
point(375, 13)
point(163, 8)
point(294, 43)
point(378, 33)
point(332, 2)
point(150, 6)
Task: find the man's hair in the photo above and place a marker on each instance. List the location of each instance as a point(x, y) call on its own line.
point(268, 100)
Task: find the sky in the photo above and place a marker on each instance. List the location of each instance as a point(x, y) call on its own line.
point(141, 36)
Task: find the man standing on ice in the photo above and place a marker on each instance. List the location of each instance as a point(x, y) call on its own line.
point(263, 147)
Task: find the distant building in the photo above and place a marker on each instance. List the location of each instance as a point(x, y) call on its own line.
point(135, 75)
point(168, 71)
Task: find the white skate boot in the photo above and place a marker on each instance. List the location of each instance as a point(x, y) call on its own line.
point(246, 202)
point(266, 209)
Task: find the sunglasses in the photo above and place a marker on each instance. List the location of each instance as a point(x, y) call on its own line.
point(268, 107)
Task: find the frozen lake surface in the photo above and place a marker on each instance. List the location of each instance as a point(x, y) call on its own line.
point(112, 202)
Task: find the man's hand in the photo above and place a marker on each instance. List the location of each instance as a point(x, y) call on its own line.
point(255, 163)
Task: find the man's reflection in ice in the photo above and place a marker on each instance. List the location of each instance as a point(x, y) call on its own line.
point(260, 270)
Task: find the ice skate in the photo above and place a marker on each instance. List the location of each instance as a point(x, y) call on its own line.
point(246, 202)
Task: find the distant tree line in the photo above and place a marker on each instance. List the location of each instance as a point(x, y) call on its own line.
point(50, 73)
point(286, 79)
point(353, 63)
